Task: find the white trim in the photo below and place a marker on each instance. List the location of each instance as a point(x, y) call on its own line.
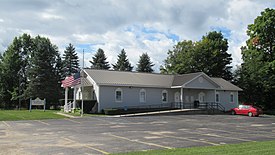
point(201, 94)
point(166, 92)
point(121, 97)
point(181, 95)
point(142, 100)
point(206, 77)
point(177, 95)
point(89, 78)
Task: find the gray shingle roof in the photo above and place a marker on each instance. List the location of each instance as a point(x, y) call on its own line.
point(107, 77)
point(179, 80)
point(121, 78)
point(225, 85)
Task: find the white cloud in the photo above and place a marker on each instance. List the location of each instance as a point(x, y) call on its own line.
point(137, 26)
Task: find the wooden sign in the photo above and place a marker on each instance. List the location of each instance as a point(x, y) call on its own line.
point(37, 102)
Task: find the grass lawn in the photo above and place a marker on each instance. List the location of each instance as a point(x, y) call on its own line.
point(251, 148)
point(14, 115)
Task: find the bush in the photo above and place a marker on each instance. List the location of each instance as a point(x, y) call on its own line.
point(269, 112)
point(111, 111)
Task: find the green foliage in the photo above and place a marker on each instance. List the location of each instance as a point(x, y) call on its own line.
point(257, 73)
point(180, 60)
point(70, 61)
point(12, 63)
point(122, 63)
point(30, 67)
point(43, 79)
point(145, 64)
point(265, 147)
point(208, 55)
point(99, 60)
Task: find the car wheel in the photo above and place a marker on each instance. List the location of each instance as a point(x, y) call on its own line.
point(233, 112)
point(250, 114)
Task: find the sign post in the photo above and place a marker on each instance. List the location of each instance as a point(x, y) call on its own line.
point(38, 102)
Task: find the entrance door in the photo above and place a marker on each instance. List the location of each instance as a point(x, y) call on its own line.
point(177, 100)
point(201, 97)
point(177, 97)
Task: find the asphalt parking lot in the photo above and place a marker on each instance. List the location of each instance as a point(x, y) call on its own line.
point(104, 135)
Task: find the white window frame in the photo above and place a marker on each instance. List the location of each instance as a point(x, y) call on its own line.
point(121, 98)
point(231, 97)
point(162, 97)
point(202, 94)
point(141, 99)
point(217, 97)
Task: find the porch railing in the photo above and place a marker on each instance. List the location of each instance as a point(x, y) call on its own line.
point(211, 106)
point(199, 105)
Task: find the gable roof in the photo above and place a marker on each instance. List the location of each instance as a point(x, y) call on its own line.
point(122, 78)
point(179, 80)
point(138, 79)
point(225, 85)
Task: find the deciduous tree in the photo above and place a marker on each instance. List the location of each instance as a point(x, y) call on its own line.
point(208, 55)
point(257, 73)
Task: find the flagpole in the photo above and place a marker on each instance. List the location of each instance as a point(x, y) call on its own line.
point(82, 89)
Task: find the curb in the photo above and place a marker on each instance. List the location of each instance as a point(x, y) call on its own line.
point(67, 115)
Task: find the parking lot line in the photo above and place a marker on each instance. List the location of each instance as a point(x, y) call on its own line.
point(98, 150)
point(72, 120)
point(193, 140)
point(219, 136)
point(253, 129)
point(6, 124)
point(138, 141)
point(85, 145)
point(183, 138)
point(42, 122)
point(231, 132)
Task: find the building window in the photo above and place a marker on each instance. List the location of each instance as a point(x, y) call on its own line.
point(217, 97)
point(118, 95)
point(164, 96)
point(231, 97)
point(142, 96)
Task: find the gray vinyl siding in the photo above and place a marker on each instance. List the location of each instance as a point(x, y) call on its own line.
point(225, 99)
point(205, 84)
point(209, 94)
point(130, 97)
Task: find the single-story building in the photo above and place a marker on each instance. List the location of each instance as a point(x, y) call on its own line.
point(118, 89)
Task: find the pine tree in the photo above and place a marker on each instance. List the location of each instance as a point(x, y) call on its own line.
point(145, 64)
point(70, 61)
point(43, 79)
point(122, 63)
point(99, 60)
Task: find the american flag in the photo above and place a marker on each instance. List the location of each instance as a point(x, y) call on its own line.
point(71, 80)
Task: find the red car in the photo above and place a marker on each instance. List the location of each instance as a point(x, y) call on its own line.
point(247, 110)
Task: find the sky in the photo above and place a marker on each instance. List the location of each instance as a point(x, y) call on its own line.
point(138, 26)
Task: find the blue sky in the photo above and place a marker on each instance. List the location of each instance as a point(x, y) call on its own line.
point(151, 26)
